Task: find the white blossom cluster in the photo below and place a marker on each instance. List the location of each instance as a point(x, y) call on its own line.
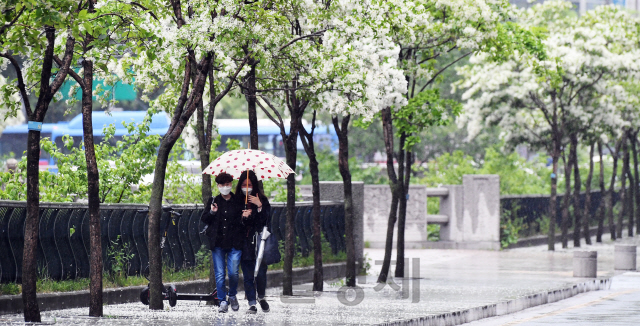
point(581, 81)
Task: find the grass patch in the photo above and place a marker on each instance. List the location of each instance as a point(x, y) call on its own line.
point(10, 288)
point(328, 256)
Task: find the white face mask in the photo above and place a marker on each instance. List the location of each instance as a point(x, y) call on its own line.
point(224, 190)
point(245, 190)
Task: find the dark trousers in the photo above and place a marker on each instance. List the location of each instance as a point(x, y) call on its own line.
point(251, 284)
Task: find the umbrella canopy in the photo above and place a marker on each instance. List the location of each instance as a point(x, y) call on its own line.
point(264, 165)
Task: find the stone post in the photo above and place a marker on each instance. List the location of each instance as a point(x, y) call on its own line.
point(451, 206)
point(481, 212)
point(585, 263)
point(624, 257)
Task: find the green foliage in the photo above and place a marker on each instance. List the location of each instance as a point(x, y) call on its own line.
point(433, 232)
point(366, 262)
point(276, 190)
point(47, 285)
point(328, 170)
point(121, 164)
point(513, 39)
point(10, 289)
point(181, 187)
point(510, 227)
point(120, 255)
point(425, 109)
point(509, 231)
point(517, 176)
point(233, 144)
point(203, 258)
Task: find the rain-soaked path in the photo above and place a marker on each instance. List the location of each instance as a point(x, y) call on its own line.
point(447, 281)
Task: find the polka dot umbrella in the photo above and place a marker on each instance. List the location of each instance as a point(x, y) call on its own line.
point(266, 166)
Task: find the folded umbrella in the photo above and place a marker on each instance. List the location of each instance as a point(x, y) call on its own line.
point(264, 235)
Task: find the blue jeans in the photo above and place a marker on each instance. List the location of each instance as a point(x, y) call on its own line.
point(251, 284)
point(220, 266)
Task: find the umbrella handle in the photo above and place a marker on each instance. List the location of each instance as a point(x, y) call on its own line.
point(246, 194)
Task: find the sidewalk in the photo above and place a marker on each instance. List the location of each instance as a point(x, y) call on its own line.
point(453, 286)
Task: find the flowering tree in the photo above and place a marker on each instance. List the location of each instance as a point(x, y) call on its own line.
point(31, 31)
point(541, 100)
point(337, 63)
point(195, 37)
point(425, 32)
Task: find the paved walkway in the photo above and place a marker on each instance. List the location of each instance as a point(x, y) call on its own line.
point(617, 306)
point(442, 282)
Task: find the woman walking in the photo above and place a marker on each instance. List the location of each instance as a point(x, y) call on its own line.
point(258, 203)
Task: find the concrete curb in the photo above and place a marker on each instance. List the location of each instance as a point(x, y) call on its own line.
point(12, 304)
point(505, 307)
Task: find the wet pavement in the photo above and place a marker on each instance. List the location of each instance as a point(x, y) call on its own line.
point(619, 305)
point(438, 282)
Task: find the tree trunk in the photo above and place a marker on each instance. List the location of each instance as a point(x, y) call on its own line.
point(291, 149)
point(155, 214)
point(250, 95)
point(93, 193)
point(630, 208)
point(32, 223)
point(612, 184)
point(553, 208)
point(387, 126)
point(587, 200)
point(636, 180)
point(602, 208)
point(633, 184)
point(577, 184)
point(402, 212)
point(623, 189)
point(31, 230)
point(343, 164)
point(565, 199)
point(309, 146)
point(204, 133)
point(184, 111)
point(318, 276)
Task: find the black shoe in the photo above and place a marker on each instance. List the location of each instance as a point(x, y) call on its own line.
point(252, 310)
point(264, 305)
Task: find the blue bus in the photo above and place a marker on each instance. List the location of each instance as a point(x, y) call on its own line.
point(14, 138)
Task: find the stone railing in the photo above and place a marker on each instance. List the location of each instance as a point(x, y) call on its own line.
point(469, 213)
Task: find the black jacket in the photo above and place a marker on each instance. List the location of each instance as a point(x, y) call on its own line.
point(224, 228)
point(256, 224)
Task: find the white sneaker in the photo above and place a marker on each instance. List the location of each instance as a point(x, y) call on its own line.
point(224, 307)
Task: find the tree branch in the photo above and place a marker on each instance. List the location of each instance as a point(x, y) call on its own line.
point(72, 73)
point(318, 33)
point(64, 65)
point(21, 86)
point(146, 9)
point(443, 69)
point(15, 19)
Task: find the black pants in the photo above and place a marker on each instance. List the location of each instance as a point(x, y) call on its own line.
point(252, 285)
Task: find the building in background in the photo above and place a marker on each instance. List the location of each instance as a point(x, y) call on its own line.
point(581, 6)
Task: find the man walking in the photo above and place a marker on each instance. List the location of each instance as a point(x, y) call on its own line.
point(224, 230)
